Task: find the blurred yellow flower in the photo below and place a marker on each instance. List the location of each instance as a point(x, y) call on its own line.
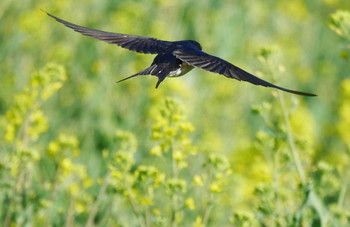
point(178, 155)
point(156, 150)
point(215, 187)
point(87, 182)
point(54, 147)
point(156, 212)
point(198, 222)
point(189, 203)
point(80, 207)
point(105, 153)
point(197, 180)
point(74, 189)
point(10, 133)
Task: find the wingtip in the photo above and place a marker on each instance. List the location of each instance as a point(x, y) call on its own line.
point(294, 92)
point(304, 94)
point(49, 14)
point(44, 11)
point(119, 81)
point(307, 94)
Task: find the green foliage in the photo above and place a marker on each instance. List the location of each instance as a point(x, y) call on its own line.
point(25, 111)
point(160, 195)
point(25, 122)
point(155, 196)
point(340, 23)
point(201, 150)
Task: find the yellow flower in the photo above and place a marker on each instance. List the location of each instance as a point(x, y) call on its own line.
point(189, 203)
point(157, 151)
point(186, 126)
point(105, 153)
point(146, 201)
point(54, 147)
point(116, 174)
point(182, 165)
point(159, 179)
point(76, 152)
point(87, 182)
point(198, 222)
point(74, 189)
point(80, 207)
point(170, 131)
point(346, 87)
point(10, 133)
point(67, 164)
point(100, 181)
point(198, 180)
point(156, 212)
point(215, 187)
point(178, 155)
point(219, 176)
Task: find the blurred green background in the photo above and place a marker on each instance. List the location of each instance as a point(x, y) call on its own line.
point(244, 123)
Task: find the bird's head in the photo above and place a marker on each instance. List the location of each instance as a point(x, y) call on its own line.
point(196, 44)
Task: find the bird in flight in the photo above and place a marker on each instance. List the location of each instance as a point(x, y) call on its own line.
point(174, 58)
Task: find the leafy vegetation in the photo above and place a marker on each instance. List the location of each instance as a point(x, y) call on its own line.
point(201, 150)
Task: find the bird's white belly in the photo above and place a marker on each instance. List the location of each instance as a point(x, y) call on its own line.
point(185, 68)
point(175, 73)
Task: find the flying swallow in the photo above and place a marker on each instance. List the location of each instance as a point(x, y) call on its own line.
point(174, 58)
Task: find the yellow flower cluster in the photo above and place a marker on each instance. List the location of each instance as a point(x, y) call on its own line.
point(25, 120)
point(344, 113)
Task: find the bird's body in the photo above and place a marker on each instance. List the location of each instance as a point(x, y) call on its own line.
point(165, 65)
point(173, 58)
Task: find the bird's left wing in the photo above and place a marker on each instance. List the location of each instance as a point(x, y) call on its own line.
point(214, 64)
point(135, 43)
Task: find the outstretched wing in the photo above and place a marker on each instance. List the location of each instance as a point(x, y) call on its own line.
point(135, 43)
point(214, 64)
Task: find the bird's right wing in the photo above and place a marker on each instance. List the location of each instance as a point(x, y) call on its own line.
point(140, 44)
point(214, 64)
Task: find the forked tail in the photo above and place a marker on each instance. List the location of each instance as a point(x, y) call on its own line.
point(147, 71)
point(152, 70)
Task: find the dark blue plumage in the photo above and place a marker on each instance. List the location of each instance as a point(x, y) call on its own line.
point(173, 58)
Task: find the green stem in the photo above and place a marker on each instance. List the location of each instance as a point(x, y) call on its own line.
point(172, 211)
point(18, 193)
point(291, 142)
point(71, 212)
point(210, 201)
point(174, 198)
point(52, 193)
point(101, 195)
point(208, 210)
point(134, 207)
point(23, 175)
point(8, 217)
point(147, 217)
point(312, 197)
point(343, 190)
point(173, 161)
